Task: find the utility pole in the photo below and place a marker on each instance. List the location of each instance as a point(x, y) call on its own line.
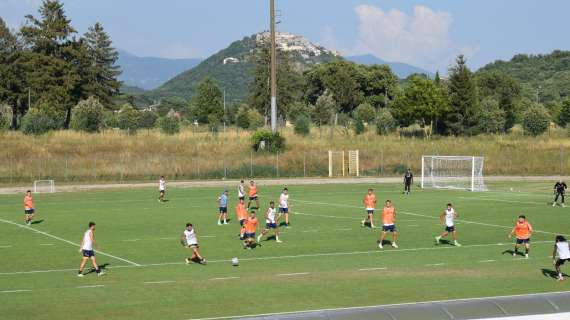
point(29, 97)
point(273, 68)
point(225, 110)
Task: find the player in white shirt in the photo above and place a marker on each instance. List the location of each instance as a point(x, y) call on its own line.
point(241, 190)
point(161, 189)
point(86, 248)
point(562, 250)
point(271, 220)
point(284, 206)
point(189, 240)
point(448, 217)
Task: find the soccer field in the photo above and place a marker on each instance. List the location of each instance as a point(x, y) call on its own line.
point(326, 260)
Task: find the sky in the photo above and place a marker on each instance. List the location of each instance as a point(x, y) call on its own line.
point(428, 33)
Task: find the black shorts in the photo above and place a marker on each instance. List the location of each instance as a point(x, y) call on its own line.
point(560, 262)
point(193, 246)
point(249, 235)
point(390, 228)
point(450, 229)
point(161, 191)
point(29, 211)
point(523, 241)
point(88, 253)
point(242, 198)
point(223, 209)
point(242, 222)
point(252, 198)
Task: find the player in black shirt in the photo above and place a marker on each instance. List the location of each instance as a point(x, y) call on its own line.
point(408, 180)
point(559, 191)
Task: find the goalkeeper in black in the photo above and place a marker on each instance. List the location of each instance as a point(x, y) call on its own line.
point(559, 191)
point(408, 180)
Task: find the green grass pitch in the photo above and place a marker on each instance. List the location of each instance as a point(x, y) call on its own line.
point(326, 259)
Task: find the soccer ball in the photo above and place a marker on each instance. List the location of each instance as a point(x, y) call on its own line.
point(235, 262)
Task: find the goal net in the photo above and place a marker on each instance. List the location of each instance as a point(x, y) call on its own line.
point(453, 172)
point(44, 186)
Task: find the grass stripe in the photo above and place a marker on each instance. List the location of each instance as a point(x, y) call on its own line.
point(67, 241)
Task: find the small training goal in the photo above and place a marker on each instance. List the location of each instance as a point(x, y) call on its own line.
point(453, 172)
point(344, 163)
point(44, 186)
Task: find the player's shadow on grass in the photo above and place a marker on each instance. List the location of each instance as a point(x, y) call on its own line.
point(282, 224)
point(367, 225)
point(38, 221)
point(510, 252)
point(551, 273)
point(445, 242)
point(101, 266)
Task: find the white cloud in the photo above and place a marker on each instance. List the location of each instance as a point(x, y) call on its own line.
point(421, 38)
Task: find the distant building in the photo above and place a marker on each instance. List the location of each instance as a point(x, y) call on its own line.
point(231, 60)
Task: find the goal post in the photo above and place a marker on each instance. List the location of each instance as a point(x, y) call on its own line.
point(44, 186)
point(341, 165)
point(453, 172)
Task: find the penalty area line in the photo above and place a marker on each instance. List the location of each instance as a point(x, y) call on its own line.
point(67, 241)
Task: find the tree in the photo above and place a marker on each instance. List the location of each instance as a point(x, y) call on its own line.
point(491, 117)
point(42, 119)
point(564, 117)
point(377, 83)
point(289, 83)
point(536, 120)
point(422, 101)
point(359, 127)
point(297, 109)
point(302, 125)
point(148, 119)
point(129, 119)
point(463, 102)
point(505, 90)
point(87, 115)
point(365, 113)
point(385, 123)
point(169, 125)
point(208, 101)
point(242, 117)
point(340, 78)
point(324, 109)
point(103, 71)
point(12, 84)
point(172, 103)
point(255, 119)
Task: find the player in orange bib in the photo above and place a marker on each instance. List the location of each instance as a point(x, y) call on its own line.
point(250, 229)
point(388, 224)
point(370, 205)
point(252, 192)
point(523, 231)
point(241, 215)
point(29, 210)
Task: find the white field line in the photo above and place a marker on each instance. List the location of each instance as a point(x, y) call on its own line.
point(131, 240)
point(293, 274)
point(276, 314)
point(435, 264)
point(223, 278)
point(372, 269)
point(431, 217)
point(486, 261)
point(47, 244)
point(15, 291)
point(67, 241)
point(3, 247)
point(325, 254)
point(91, 286)
point(159, 282)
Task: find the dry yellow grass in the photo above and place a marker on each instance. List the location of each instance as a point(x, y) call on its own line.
point(69, 156)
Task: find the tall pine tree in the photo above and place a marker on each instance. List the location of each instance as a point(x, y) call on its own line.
point(103, 71)
point(12, 83)
point(463, 102)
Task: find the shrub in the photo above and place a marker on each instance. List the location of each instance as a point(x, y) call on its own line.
point(129, 119)
point(242, 117)
point(264, 140)
point(413, 131)
point(169, 125)
point(213, 123)
point(110, 120)
point(568, 129)
point(536, 120)
point(365, 113)
point(385, 123)
point(564, 117)
point(87, 115)
point(255, 119)
point(491, 118)
point(359, 127)
point(148, 119)
point(42, 119)
point(5, 117)
point(298, 109)
point(302, 125)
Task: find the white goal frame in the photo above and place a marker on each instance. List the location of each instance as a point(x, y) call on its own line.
point(38, 185)
point(354, 162)
point(348, 168)
point(332, 154)
point(471, 179)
